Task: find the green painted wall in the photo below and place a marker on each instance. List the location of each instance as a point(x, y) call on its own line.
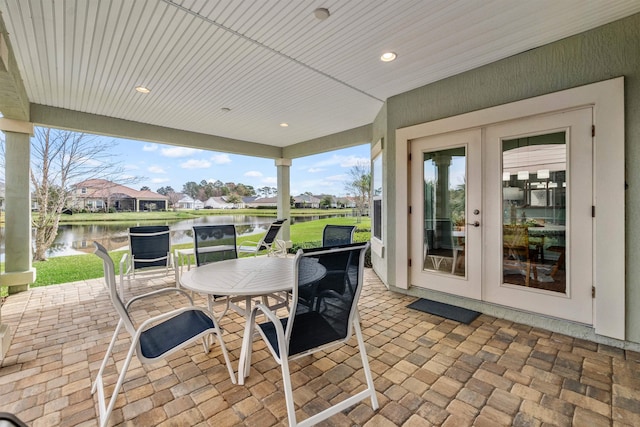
point(606, 52)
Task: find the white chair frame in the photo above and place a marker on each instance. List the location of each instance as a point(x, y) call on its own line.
point(106, 408)
point(283, 343)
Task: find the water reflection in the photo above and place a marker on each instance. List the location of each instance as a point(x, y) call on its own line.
point(75, 239)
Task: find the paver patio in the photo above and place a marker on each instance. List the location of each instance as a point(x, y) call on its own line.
point(427, 370)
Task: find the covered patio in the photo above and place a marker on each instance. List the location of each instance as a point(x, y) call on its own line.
point(427, 370)
point(225, 78)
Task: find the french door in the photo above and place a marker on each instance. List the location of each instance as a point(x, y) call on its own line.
point(539, 225)
point(446, 216)
point(503, 214)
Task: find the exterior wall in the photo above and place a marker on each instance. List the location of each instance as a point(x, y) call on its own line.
point(380, 256)
point(600, 54)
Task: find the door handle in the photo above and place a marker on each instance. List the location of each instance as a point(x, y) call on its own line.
point(475, 224)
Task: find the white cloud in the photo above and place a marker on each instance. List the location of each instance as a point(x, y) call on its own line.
point(315, 170)
point(335, 178)
point(270, 180)
point(342, 161)
point(195, 164)
point(93, 163)
point(156, 169)
point(179, 151)
point(160, 180)
point(150, 147)
point(220, 159)
point(253, 174)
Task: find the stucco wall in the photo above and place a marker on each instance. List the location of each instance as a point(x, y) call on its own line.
point(378, 133)
point(609, 51)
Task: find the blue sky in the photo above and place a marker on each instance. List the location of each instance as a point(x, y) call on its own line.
point(167, 165)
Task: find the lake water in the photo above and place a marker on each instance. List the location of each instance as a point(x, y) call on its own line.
point(76, 239)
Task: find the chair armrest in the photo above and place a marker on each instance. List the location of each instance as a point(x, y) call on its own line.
point(267, 312)
point(125, 260)
point(251, 242)
point(158, 292)
point(249, 245)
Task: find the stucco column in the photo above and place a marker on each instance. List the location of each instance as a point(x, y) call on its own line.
point(442, 191)
point(18, 271)
point(283, 167)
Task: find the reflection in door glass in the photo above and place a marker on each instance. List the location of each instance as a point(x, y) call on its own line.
point(534, 189)
point(444, 211)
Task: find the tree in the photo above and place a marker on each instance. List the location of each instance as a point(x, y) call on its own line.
point(60, 159)
point(174, 198)
point(145, 188)
point(326, 201)
point(191, 189)
point(165, 190)
point(208, 190)
point(264, 191)
point(234, 198)
point(360, 185)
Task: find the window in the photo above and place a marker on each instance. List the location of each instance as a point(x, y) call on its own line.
point(83, 190)
point(376, 191)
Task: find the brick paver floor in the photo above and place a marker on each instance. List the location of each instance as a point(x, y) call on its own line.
point(427, 370)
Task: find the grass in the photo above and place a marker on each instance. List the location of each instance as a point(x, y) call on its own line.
point(82, 267)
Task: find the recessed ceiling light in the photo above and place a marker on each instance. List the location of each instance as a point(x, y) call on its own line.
point(284, 125)
point(142, 89)
point(321, 13)
point(388, 57)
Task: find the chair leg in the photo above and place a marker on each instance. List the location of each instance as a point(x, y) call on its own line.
point(104, 409)
point(288, 393)
point(107, 354)
point(365, 362)
point(225, 353)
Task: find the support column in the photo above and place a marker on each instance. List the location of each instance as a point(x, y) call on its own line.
point(283, 167)
point(18, 271)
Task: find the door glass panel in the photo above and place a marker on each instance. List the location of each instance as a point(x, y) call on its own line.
point(444, 211)
point(534, 189)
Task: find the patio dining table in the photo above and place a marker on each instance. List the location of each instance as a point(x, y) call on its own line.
point(249, 278)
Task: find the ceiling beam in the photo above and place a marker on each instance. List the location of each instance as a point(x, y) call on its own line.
point(109, 126)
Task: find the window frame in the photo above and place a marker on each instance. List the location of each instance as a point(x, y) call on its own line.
point(377, 242)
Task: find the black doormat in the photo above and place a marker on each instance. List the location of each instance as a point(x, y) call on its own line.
point(447, 311)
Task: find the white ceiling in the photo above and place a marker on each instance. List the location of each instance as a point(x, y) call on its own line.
point(269, 61)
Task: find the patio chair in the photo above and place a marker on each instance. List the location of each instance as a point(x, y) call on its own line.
point(213, 243)
point(336, 235)
point(306, 331)
point(269, 242)
point(155, 338)
point(335, 282)
point(149, 254)
point(8, 419)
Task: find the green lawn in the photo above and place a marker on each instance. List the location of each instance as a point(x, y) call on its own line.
point(81, 267)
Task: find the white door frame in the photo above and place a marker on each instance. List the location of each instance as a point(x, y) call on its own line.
point(576, 304)
point(607, 100)
point(468, 285)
